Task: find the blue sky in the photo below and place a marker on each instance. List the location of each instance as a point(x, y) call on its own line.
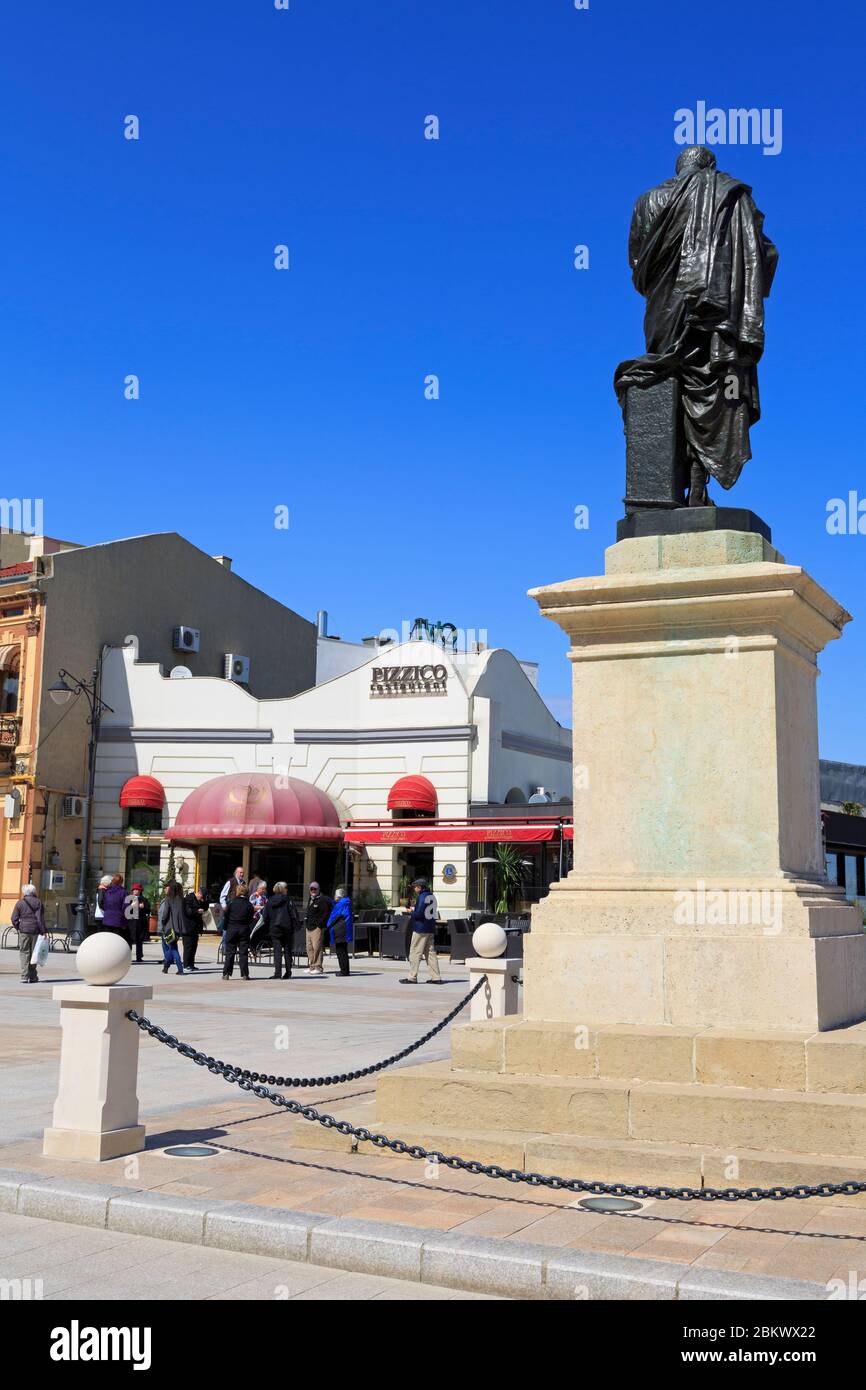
point(305, 388)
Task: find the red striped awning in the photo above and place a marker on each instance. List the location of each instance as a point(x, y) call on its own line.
point(143, 792)
point(255, 806)
point(412, 794)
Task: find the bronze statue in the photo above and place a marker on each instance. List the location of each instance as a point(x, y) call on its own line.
point(699, 255)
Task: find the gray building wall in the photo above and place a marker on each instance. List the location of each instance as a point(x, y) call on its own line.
point(99, 594)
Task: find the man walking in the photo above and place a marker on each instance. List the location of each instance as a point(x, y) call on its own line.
point(315, 921)
point(29, 919)
point(423, 945)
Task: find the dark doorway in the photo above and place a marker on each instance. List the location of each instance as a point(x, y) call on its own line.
point(417, 862)
point(222, 860)
point(326, 867)
point(279, 864)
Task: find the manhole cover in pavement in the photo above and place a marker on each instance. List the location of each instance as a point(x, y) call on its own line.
point(191, 1151)
point(608, 1204)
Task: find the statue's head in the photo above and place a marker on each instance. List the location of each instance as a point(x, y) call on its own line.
point(693, 158)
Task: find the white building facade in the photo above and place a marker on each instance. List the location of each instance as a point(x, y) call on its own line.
point(402, 751)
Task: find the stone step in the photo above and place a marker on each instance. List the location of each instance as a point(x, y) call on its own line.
point(726, 1117)
point(601, 1160)
point(829, 1062)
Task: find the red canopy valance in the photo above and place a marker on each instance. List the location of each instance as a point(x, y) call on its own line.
point(417, 833)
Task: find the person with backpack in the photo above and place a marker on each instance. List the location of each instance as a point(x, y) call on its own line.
point(341, 928)
point(171, 922)
point(28, 917)
point(280, 919)
point(423, 919)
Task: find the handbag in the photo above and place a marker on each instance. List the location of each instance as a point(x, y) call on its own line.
point(40, 955)
point(168, 933)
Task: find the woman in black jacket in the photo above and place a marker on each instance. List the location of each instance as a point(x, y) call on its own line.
point(194, 908)
point(239, 921)
point(280, 919)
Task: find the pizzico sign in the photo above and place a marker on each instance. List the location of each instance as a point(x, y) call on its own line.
point(408, 680)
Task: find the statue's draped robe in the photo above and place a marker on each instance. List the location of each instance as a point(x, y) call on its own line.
point(699, 254)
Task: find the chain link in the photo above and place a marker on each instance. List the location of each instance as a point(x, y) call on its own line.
point(251, 1081)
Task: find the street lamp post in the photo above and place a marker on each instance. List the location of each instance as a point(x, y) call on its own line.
point(61, 693)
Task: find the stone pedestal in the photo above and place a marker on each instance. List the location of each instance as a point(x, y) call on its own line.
point(693, 990)
point(96, 1112)
point(498, 997)
point(698, 894)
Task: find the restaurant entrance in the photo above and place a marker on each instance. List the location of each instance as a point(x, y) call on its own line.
point(279, 863)
point(220, 864)
point(416, 861)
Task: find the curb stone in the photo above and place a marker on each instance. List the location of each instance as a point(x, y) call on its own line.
point(511, 1268)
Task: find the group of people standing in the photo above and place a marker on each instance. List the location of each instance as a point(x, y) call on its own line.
point(180, 919)
point(248, 911)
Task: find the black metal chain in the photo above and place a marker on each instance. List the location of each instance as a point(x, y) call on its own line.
point(249, 1081)
point(237, 1073)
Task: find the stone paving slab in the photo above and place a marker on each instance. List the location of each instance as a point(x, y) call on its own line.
point(140, 1268)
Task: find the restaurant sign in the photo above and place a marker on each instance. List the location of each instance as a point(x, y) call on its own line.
point(408, 680)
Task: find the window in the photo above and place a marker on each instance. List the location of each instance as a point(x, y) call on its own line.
point(9, 684)
point(144, 818)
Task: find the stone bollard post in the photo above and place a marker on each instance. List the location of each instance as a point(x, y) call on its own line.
point(96, 1111)
point(499, 995)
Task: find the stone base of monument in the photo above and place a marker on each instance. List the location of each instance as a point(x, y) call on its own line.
point(695, 989)
point(682, 1106)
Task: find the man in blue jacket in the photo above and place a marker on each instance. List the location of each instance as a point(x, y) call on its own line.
point(423, 945)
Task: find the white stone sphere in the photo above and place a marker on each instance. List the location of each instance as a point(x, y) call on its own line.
point(103, 958)
point(489, 940)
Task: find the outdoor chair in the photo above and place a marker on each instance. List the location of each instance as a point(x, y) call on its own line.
point(460, 932)
point(394, 940)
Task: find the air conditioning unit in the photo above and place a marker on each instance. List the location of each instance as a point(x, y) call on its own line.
point(186, 639)
point(237, 668)
point(73, 808)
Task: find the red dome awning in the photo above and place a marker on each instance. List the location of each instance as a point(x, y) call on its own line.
point(412, 794)
point(256, 806)
point(143, 792)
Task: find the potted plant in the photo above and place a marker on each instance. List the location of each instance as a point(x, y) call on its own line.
point(509, 876)
point(404, 890)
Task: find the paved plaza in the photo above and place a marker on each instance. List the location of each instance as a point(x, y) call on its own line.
point(336, 1024)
